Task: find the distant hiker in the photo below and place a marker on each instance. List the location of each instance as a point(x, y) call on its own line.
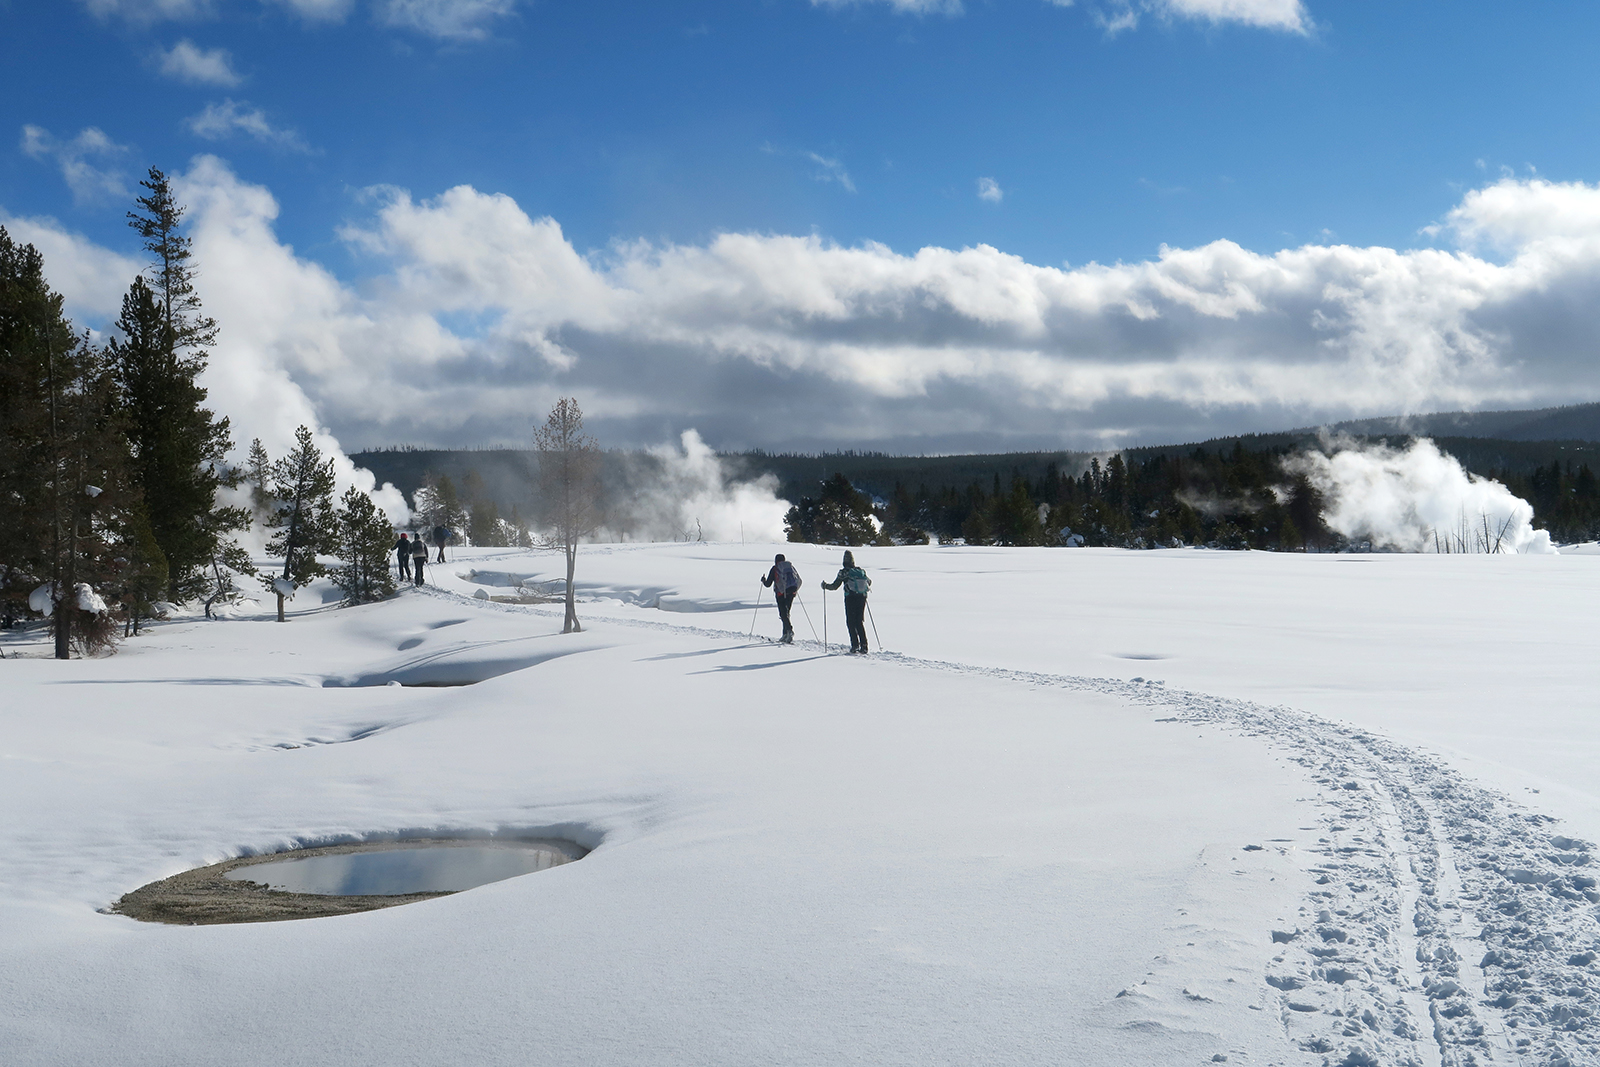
point(402, 554)
point(441, 537)
point(784, 581)
point(856, 583)
point(419, 558)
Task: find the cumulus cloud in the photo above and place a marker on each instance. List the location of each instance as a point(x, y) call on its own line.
point(92, 279)
point(456, 20)
point(88, 179)
point(219, 121)
point(190, 63)
point(475, 316)
point(989, 190)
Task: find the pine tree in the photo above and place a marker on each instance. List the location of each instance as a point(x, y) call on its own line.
point(179, 446)
point(258, 472)
point(302, 515)
point(365, 540)
point(171, 273)
point(63, 459)
point(143, 580)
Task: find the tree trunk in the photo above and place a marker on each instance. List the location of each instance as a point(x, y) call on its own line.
point(63, 629)
point(280, 607)
point(571, 625)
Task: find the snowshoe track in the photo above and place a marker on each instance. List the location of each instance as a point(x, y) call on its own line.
point(1446, 925)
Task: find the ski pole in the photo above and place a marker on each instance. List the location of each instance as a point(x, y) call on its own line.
point(809, 623)
point(753, 613)
point(875, 636)
point(825, 647)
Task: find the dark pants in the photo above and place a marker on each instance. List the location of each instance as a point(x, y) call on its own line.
point(441, 554)
point(855, 615)
point(404, 559)
point(417, 563)
point(785, 602)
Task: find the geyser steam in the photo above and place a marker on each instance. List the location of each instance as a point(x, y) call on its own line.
point(1416, 499)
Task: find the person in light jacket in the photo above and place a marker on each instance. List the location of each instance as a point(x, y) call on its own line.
point(856, 584)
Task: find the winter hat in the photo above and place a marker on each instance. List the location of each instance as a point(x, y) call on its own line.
point(849, 560)
point(778, 558)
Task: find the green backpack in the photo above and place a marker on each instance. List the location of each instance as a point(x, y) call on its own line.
point(856, 582)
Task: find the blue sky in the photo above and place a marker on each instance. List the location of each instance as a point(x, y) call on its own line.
point(1099, 133)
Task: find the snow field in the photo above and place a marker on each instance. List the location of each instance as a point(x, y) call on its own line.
point(993, 857)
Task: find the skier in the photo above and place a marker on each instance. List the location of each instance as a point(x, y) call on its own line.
point(784, 581)
point(856, 583)
point(441, 535)
point(402, 555)
point(419, 558)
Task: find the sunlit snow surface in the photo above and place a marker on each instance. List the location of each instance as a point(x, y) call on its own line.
point(1091, 807)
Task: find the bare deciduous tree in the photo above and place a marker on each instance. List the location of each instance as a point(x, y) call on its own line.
point(569, 466)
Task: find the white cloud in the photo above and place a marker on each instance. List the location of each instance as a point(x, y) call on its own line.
point(319, 10)
point(199, 66)
point(989, 189)
point(1118, 15)
point(458, 20)
point(146, 11)
point(92, 279)
point(832, 171)
point(219, 121)
point(938, 349)
point(88, 181)
point(1289, 16)
point(914, 7)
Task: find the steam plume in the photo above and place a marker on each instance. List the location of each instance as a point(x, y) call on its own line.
point(1416, 499)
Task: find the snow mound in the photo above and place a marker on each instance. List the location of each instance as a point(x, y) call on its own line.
point(42, 599)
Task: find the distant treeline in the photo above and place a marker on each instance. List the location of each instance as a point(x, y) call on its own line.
point(1234, 496)
point(1235, 499)
point(1228, 492)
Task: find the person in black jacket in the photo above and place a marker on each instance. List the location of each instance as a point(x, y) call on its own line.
point(402, 555)
point(784, 581)
point(441, 537)
point(856, 583)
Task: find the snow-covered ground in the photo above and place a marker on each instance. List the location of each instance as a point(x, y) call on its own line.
point(1091, 807)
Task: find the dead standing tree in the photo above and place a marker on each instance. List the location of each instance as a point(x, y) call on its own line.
point(569, 467)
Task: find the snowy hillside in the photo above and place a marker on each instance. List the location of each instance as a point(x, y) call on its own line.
point(1091, 807)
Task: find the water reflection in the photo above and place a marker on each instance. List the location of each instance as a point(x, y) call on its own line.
point(396, 871)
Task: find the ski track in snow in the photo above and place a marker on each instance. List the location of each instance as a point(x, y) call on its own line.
point(1446, 925)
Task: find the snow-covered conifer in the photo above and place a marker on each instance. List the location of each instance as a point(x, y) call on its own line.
point(365, 539)
point(302, 516)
